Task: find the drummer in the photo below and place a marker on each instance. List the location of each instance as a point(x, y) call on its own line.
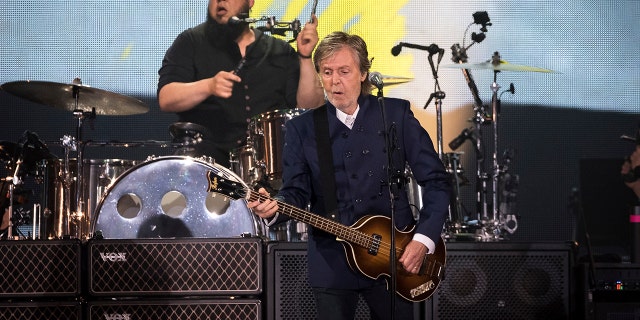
point(221, 73)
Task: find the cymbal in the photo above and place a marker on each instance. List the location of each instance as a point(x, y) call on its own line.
point(393, 80)
point(61, 96)
point(501, 66)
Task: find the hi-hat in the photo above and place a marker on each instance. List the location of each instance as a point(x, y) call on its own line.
point(63, 96)
point(500, 66)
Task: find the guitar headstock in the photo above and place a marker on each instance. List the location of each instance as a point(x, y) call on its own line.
point(222, 185)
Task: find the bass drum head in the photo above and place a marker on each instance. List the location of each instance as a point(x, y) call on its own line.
point(168, 197)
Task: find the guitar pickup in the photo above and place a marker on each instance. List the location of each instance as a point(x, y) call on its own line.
point(375, 244)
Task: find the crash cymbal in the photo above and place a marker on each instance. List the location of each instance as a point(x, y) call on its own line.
point(500, 66)
point(63, 96)
point(393, 80)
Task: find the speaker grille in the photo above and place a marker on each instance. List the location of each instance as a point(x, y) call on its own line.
point(176, 267)
point(171, 309)
point(290, 296)
point(40, 310)
point(40, 268)
point(504, 284)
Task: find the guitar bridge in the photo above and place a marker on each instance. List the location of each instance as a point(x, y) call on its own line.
point(375, 244)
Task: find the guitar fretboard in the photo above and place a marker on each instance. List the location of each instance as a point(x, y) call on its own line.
point(325, 224)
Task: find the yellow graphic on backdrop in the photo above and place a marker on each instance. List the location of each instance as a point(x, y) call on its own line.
point(378, 22)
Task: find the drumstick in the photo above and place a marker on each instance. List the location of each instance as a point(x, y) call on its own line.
point(313, 10)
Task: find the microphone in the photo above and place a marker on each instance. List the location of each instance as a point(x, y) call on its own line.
point(397, 48)
point(376, 79)
point(467, 133)
point(395, 51)
point(433, 49)
point(242, 18)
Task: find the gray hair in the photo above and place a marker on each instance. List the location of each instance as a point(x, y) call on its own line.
point(338, 40)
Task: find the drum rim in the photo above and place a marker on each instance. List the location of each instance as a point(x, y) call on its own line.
point(278, 112)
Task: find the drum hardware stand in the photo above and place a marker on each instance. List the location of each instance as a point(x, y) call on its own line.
point(76, 145)
point(493, 226)
point(459, 55)
point(13, 182)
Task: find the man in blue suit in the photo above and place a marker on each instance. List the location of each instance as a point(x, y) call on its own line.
point(358, 147)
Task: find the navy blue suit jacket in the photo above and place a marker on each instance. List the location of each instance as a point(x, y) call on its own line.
point(360, 161)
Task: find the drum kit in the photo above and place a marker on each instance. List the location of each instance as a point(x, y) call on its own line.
point(160, 197)
point(167, 196)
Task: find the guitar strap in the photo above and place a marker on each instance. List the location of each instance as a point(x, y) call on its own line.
point(325, 160)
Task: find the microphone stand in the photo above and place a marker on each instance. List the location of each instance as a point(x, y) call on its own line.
point(438, 95)
point(393, 187)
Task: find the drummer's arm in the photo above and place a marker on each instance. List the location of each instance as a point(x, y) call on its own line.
point(182, 96)
point(310, 93)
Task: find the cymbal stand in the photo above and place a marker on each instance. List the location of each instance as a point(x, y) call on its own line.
point(491, 227)
point(14, 181)
point(77, 216)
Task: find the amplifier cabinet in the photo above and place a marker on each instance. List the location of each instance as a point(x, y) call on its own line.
point(183, 309)
point(175, 267)
point(503, 280)
point(39, 269)
point(46, 310)
point(289, 295)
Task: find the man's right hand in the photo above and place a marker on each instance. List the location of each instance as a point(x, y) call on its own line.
point(221, 85)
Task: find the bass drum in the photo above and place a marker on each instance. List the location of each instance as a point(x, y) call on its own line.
point(168, 197)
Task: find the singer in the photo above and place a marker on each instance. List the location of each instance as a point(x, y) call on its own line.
point(219, 75)
point(357, 162)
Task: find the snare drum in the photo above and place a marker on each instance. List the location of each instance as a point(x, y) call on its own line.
point(168, 197)
point(267, 134)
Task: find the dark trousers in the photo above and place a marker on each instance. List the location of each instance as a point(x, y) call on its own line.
point(339, 304)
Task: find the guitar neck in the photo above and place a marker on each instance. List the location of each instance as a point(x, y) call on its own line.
point(325, 224)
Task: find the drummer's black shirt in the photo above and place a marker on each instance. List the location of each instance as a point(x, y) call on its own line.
point(269, 82)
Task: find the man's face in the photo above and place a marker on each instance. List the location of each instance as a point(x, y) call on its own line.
point(341, 78)
point(222, 10)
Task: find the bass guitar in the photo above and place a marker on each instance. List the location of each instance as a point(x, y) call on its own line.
point(367, 242)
